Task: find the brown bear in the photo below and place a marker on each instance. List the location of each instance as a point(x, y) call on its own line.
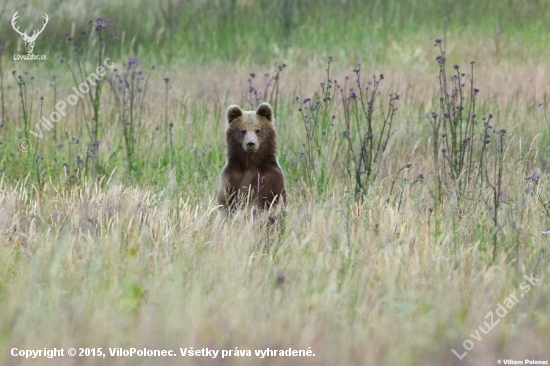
point(252, 174)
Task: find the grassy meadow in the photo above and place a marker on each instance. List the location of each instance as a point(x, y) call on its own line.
point(417, 228)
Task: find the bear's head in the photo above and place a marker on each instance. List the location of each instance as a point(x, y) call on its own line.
point(250, 132)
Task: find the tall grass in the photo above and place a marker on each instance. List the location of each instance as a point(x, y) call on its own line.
point(204, 31)
point(111, 265)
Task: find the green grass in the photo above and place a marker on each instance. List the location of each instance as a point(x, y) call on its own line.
point(102, 247)
point(203, 31)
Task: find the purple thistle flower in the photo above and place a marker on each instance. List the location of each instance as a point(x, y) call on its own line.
point(353, 96)
point(534, 177)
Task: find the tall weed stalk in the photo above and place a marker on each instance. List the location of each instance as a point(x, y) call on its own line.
point(367, 134)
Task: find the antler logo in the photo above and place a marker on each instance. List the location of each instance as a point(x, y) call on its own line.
point(29, 40)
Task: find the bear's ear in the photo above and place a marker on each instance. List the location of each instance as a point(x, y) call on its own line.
point(233, 112)
point(265, 110)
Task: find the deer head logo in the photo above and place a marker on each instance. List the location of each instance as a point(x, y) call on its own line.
point(29, 40)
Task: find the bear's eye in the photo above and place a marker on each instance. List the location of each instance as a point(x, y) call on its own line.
point(257, 131)
point(243, 132)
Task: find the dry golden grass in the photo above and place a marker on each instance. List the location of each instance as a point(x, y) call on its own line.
point(114, 266)
point(111, 264)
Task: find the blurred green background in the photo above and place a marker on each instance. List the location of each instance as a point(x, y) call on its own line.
point(200, 31)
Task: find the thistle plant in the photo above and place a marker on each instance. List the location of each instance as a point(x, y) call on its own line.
point(168, 125)
point(318, 121)
point(129, 88)
point(454, 128)
point(493, 172)
point(2, 104)
point(93, 121)
point(269, 91)
point(366, 134)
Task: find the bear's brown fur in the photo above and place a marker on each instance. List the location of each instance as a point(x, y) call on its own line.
point(252, 174)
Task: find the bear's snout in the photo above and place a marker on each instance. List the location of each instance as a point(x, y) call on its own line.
point(250, 143)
